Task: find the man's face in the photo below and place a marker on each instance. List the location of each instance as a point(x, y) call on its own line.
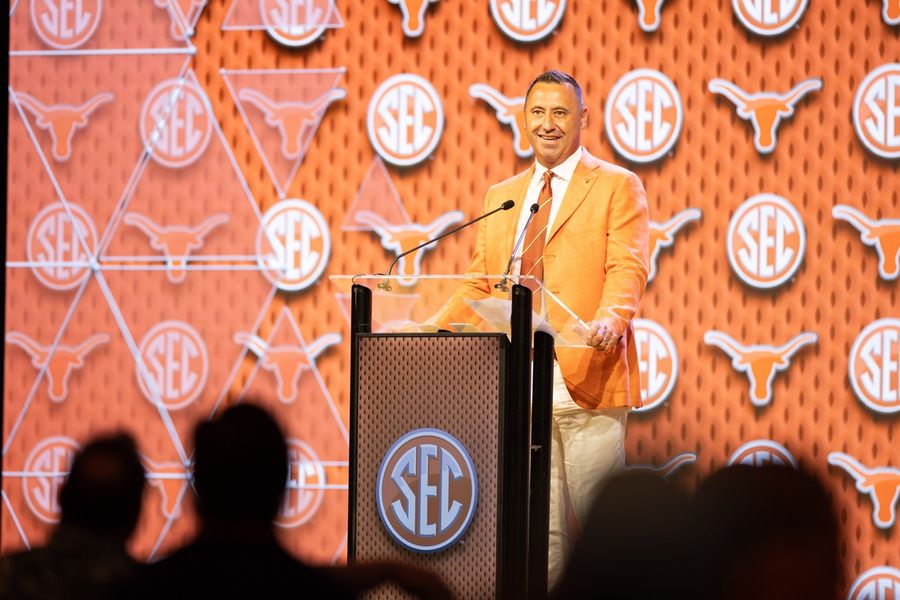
point(553, 121)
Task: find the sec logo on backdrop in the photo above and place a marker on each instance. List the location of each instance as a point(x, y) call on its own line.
point(65, 24)
point(769, 17)
point(876, 111)
point(306, 478)
point(527, 20)
point(643, 115)
point(875, 366)
point(60, 247)
point(405, 119)
point(176, 363)
point(295, 23)
point(658, 358)
point(762, 452)
point(293, 244)
point(175, 124)
point(878, 583)
point(46, 469)
point(766, 241)
point(426, 490)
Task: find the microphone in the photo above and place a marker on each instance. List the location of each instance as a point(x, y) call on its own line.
point(502, 285)
point(386, 285)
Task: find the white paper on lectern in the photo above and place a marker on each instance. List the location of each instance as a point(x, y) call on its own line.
point(498, 312)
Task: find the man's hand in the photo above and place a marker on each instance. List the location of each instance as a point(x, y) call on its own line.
point(601, 337)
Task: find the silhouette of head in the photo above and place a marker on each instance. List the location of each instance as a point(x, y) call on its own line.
point(103, 491)
point(767, 532)
point(240, 466)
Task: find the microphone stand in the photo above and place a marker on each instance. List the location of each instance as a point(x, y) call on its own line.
point(502, 285)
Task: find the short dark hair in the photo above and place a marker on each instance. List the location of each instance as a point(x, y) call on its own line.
point(554, 76)
point(103, 491)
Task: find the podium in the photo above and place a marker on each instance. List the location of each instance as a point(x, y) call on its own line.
point(450, 431)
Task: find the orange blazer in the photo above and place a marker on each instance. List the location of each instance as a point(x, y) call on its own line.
point(595, 260)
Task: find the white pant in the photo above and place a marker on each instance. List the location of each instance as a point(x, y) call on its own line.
point(586, 447)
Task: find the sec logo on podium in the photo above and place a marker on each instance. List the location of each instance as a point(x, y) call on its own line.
point(426, 490)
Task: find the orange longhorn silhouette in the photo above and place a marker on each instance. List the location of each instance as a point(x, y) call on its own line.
point(881, 484)
point(292, 119)
point(662, 235)
point(170, 479)
point(175, 241)
point(883, 235)
point(61, 120)
point(759, 363)
point(764, 109)
point(510, 111)
point(669, 468)
point(648, 14)
point(286, 362)
point(891, 12)
point(400, 238)
point(413, 15)
point(60, 364)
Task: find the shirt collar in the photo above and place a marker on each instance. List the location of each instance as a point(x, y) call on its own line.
point(563, 170)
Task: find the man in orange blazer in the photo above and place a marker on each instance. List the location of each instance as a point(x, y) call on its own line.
point(595, 260)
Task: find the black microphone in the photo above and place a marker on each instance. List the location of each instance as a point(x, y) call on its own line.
point(386, 285)
point(502, 285)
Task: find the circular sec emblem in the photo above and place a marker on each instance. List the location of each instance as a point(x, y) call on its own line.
point(292, 24)
point(527, 20)
point(405, 119)
point(658, 360)
point(766, 241)
point(643, 115)
point(876, 111)
point(305, 485)
point(762, 452)
point(63, 24)
point(875, 366)
point(46, 467)
point(769, 17)
point(58, 246)
point(175, 123)
point(878, 583)
point(427, 490)
point(293, 245)
point(176, 362)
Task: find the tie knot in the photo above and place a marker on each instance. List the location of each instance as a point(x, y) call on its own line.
point(548, 175)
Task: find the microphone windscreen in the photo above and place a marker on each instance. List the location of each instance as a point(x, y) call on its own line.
point(534, 208)
point(507, 205)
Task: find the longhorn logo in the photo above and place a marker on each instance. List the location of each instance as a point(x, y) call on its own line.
point(65, 24)
point(413, 15)
point(510, 111)
point(288, 363)
point(766, 241)
point(759, 362)
point(305, 485)
point(527, 20)
point(658, 362)
point(296, 23)
point(294, 120)
point(764, 110)
point(60, 363)
point(891, 12)
point(169, 479)
point(400, 238)
point(46, 468)
point(669, 468)
point(875, 366)
point(405, 119)
point(60, 247)
point(175, 241)
point(878, 583)
point(61, 120)
point(649, 14)
point(882, 484)
point(883, 235)
point(876, 111)
point(175, 123)
point(176, 363)
point(662, 235)
point(293, 244)
point(643, 115)
point(762, 452)
point(769, 17)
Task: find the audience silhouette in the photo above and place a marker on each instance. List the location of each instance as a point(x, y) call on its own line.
point(86, 556)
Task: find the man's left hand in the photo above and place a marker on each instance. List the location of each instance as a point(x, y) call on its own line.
point(601, 337)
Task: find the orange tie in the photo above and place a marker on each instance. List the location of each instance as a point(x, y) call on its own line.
point(533, 254)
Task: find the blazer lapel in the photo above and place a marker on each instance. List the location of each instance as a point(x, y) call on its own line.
point(582, 179)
